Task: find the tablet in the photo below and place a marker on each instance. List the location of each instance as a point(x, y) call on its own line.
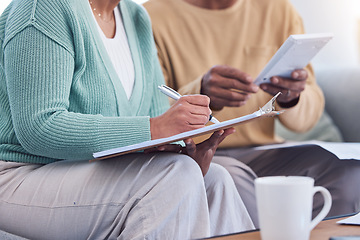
point(295, 53)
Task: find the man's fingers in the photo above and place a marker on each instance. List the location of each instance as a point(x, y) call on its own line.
point(165, 148)
point(229, 82)
point(190, 146)
point(213, 141)
point(230, 72)
point(288, 83)
point(226, 133)
point(299, 74)
point(229, 94)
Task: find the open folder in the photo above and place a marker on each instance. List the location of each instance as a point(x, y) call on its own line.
point(265, 111)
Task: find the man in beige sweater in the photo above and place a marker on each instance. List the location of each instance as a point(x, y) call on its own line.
point(216, 47)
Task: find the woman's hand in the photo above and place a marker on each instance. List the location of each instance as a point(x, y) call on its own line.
point(188, 113)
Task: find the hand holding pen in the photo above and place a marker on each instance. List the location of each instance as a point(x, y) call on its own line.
point(188, 113)
point(175, 95)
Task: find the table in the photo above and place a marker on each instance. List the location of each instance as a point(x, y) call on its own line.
point(323, 231)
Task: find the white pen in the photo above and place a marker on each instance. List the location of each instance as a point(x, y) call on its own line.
point(175, 95)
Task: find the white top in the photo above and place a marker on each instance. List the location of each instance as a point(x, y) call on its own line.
point(119, 52)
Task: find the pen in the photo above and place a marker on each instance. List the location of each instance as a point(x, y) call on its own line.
point(175, 95)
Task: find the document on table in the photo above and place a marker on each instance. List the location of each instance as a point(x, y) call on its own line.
point(343, 150)
point(353, 220)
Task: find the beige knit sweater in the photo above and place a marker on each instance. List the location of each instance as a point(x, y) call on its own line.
point(191, 40)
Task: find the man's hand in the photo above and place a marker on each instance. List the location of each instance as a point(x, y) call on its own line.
point(291, 88)
point(204, 152)
point(227, 87)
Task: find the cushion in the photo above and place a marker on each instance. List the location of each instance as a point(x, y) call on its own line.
point(341, 89)
point(324, 130)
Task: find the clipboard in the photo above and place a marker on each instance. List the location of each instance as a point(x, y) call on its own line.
point(268, 110)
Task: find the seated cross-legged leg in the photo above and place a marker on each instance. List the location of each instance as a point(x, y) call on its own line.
point(228, 213)
point(136, 196)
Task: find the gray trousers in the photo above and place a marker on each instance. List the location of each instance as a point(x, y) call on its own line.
point(136, 196)
point(340, 177)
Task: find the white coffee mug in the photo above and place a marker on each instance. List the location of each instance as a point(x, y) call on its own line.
point(285, 207)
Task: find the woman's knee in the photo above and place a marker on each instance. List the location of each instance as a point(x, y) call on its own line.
point(183, 169)
point(218, 176)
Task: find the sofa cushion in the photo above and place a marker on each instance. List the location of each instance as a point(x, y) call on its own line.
point(324, 130)
point(341, 89)
point(340, 121)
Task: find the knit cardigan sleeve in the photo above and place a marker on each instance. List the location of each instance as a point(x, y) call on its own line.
point(39, 86)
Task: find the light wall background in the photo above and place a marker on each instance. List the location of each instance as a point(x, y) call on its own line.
point(3, 4)
point(341, 17)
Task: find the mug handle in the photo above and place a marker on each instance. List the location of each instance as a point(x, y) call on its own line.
point(326, 208)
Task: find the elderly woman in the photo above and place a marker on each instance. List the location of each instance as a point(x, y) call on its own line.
point(78, 77)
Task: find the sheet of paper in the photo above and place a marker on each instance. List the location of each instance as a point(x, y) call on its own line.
point(353, 220)
point(343, 150)
point(190, 134)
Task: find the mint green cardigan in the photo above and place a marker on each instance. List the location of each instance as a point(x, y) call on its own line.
point(59, 93)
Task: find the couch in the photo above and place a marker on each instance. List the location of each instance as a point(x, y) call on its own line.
point(340, 121)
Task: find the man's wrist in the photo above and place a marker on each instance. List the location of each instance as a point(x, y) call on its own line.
point(289, 104)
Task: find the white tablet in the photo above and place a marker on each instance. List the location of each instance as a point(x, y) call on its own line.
point(295, 53)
